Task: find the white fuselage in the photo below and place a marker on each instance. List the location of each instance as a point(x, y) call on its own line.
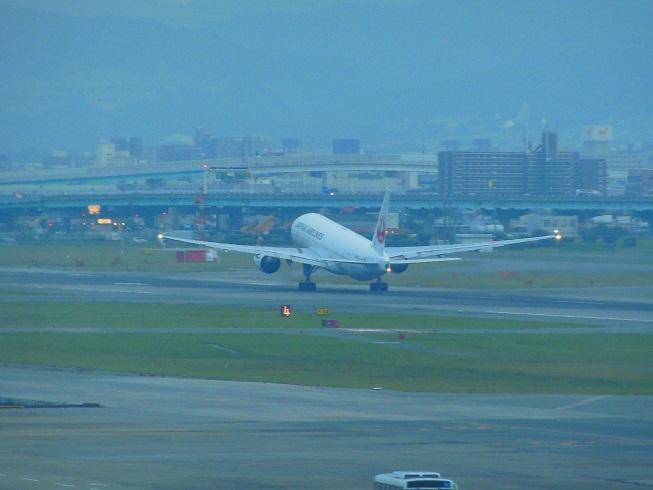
point(330, 240)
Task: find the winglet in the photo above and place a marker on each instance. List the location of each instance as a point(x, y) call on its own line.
point(378, 239)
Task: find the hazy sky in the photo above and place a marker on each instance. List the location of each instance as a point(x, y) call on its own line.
point(176, 12)
point(401, 75)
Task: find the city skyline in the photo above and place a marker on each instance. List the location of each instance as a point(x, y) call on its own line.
point(399, 76)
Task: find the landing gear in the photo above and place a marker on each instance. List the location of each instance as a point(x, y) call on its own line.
point(307, 284)
point(379, 286)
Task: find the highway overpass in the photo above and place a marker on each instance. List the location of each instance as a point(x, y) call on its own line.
point(294, 181)
point(284, 199)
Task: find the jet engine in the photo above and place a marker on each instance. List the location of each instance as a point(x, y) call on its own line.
point(267, 264)
point(398, 268)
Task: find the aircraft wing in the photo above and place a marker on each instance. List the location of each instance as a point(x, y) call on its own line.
point(294, 254)
point(435, 253)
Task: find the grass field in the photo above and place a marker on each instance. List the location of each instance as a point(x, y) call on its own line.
point(157, 339)
point(152, 257)
point(152, 341)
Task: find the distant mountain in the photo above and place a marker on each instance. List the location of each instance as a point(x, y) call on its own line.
point(397, 77)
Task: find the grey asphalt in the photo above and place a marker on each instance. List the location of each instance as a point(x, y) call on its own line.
point(627, 308)
point(169, 433)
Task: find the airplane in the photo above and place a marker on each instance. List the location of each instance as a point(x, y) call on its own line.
point(321, 243)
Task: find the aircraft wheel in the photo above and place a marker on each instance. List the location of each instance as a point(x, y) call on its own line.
point(307, 286)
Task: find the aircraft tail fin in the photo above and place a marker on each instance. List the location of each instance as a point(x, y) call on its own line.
point(378, 239)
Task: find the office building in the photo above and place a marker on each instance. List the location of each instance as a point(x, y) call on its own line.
point(346, 147)
point(543, 172)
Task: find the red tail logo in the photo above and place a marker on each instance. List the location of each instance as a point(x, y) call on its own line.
point(380, 231)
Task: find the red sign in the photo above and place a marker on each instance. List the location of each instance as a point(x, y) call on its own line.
point(380, 231)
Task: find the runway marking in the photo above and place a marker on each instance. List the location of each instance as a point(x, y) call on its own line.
point(577, 317)
point(216, 346)
point(101, 289)
point(585, 401)
point(589, 438)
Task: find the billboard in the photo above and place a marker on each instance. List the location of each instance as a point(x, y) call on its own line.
point(598, 133)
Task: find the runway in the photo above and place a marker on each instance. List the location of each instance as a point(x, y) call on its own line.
point(170, 433)
point(623, 309)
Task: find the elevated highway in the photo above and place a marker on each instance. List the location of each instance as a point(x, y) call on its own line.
point(127, 186)
point(197, 168)
point(294, 199)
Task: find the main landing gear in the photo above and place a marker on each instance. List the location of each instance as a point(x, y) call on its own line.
point(307, 284)
point(379, 286)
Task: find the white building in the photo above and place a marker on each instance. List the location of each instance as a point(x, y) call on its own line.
point(567, 226)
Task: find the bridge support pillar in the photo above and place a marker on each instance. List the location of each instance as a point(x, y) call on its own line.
point(235, 217)
point(173, 216)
